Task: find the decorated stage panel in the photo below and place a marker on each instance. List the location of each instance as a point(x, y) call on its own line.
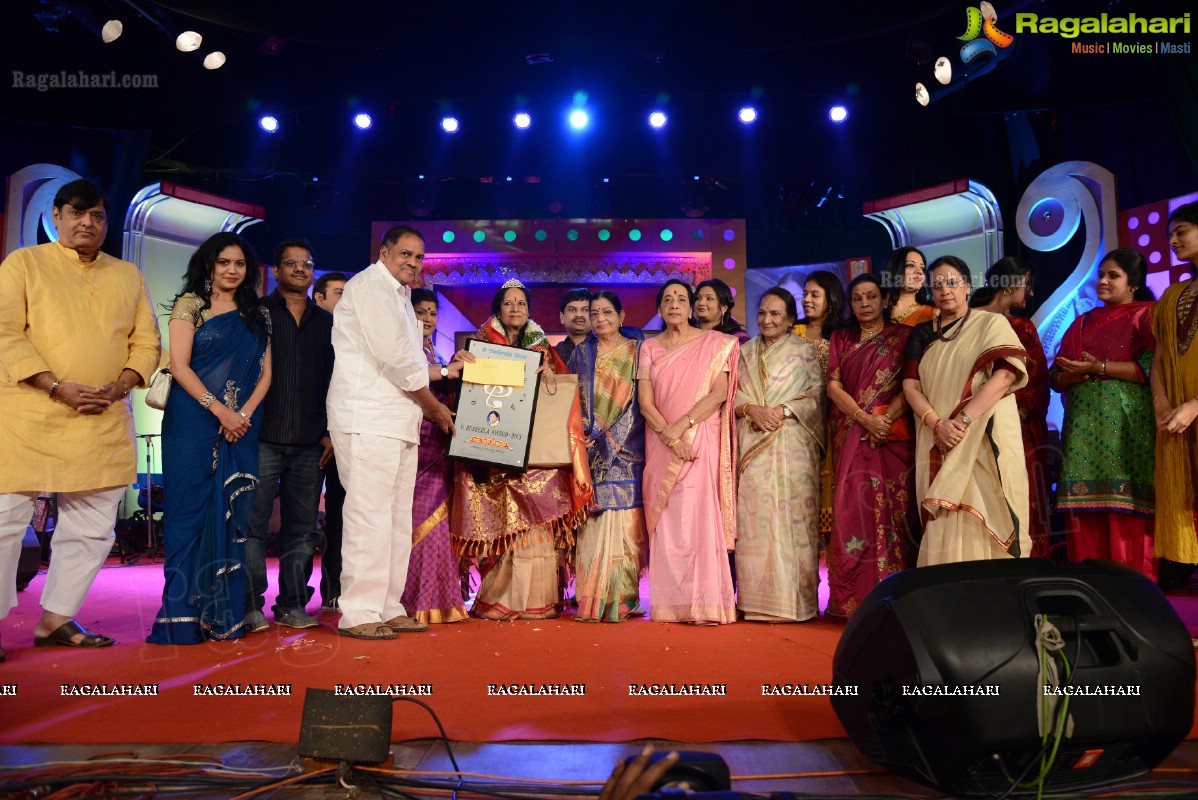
point(467, 260)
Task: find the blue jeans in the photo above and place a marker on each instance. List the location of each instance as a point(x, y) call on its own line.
point(292, 473)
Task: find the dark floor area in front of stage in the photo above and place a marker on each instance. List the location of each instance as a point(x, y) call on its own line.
point(566, 761)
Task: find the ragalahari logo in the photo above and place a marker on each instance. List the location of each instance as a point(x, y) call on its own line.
point(982, 22)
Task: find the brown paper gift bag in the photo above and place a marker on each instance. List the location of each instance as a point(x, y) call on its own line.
point(556, 397)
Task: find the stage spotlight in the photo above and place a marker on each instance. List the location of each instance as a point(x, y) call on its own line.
point(579, 119)
point(657, 119)
point(449, 124)
point(838, 114)
point(188, 41)
point(363, 121)
point(214, 60)
point(747, 115)
point(111, 31)
point(522, 120)
point(921, 94)
point(268, 124)
point(943, 70)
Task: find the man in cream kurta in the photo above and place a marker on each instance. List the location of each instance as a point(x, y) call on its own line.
point(377, 398)
point(77, 332)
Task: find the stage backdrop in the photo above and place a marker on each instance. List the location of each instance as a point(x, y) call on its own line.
point(467, 260)
point(791, 278)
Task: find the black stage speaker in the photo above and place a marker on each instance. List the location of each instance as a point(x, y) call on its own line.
point(961, 627)
point(349, 729)
point(701, 772)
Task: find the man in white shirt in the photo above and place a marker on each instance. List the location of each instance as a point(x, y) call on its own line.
point(377, 398)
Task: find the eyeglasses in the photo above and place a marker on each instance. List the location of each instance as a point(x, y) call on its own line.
point(295, 263)
point(606, 312)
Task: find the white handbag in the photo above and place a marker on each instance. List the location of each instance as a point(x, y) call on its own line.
point(160, 388)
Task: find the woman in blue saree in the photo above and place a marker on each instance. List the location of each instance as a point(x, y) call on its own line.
point(220, 362)
point(613, 550)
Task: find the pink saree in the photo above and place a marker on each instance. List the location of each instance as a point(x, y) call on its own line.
point(690, 506)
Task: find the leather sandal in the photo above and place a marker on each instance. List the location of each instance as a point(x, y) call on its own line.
point(402, 624)
point(368, 630)
point(62, 636)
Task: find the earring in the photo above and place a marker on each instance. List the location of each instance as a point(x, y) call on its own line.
point(207, 286)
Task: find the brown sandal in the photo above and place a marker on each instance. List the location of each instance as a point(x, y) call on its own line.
point(402, 624)
point(368, 630)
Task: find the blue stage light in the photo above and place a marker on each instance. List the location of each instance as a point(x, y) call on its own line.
point(268, 124)
point(522, 120)
point(449, 124)
point(579, 119)
point(747, 115)
point(363, 121)
point(838, 114)
point(657, 119)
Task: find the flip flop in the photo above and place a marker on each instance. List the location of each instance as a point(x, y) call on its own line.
point(369, 630)
point(62, 636)
point(402, 624)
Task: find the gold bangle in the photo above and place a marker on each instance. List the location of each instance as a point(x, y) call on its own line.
point(207, 399)
point(676, 441)
point(925, 415)
point(54, 389)
point(1161, 396)
point(1103, 373)
point(124, 387)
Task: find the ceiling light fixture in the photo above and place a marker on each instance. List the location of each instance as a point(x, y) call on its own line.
point(943, 70)
point(188, 41)
point(111, 31)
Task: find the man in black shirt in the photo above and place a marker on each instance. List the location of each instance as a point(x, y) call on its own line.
point(293, 441)
point(327, 292)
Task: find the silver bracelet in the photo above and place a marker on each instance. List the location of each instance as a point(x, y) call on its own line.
point(207, 399)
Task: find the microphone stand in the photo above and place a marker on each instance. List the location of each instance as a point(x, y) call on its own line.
point(152, 550)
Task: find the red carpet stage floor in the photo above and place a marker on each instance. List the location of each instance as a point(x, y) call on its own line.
point(453, 667)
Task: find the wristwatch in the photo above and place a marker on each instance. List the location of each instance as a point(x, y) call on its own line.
point(786, 412)
point(965, 418)
point(444, 372)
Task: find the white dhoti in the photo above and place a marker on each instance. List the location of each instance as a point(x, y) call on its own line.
point(82, 540)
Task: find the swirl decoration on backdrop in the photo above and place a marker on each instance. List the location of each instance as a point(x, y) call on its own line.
point(30, 203)
point(1054, 206)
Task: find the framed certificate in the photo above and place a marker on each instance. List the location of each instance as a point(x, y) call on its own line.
point(494, 422)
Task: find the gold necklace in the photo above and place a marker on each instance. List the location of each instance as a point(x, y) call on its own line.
point(914, 306)
point(676, 343)
point(869, 333)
